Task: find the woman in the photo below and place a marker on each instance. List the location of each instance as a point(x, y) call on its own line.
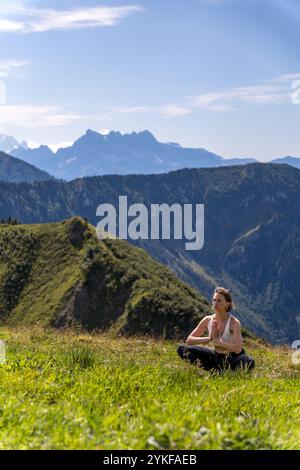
point(224, 333)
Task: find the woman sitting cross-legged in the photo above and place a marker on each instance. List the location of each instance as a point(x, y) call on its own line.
point(224, 333)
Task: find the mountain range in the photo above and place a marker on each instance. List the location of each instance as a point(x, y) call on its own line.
point(292, 161)
point(115, 153)
point(252, 231)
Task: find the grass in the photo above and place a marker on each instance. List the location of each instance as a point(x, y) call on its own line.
point(72, 390)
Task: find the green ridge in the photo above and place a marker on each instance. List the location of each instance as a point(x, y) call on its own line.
point(61, 274)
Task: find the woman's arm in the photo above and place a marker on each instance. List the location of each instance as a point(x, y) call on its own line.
point(196, 340)
point(237, 340)
point(194, 337)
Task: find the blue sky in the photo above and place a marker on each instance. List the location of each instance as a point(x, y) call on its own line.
point(215, 74)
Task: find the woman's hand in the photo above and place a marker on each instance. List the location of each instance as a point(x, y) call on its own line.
point(214, 330)
point(217, 342)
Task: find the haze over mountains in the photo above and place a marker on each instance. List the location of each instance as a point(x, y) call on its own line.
point(252, 231)
point(115, 153)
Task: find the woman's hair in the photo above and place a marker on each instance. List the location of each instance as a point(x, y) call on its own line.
point(227, 295)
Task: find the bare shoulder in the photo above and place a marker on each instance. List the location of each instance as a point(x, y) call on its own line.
point(201, 327)
point(234, 322)
point(206, 319)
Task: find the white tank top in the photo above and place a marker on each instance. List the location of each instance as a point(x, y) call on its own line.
point(227, 335)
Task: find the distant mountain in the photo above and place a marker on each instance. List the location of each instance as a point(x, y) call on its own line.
point(115, 153)
point(9, 143)
point(252, 231)
point(63, 275)
point(292, 161)
point(96, 154)
point(41, 157)
point(15, 170)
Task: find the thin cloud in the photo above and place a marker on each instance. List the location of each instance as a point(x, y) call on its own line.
point(8, 66)
point(169, 110)
point(18, 19)
point(271, 92)
point(277, 91)
point(37, 116)
point(132, 109)
point(173, 110)
point(289, 77)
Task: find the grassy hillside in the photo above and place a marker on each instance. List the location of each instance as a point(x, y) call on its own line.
point(94, 391)
point(61, 274)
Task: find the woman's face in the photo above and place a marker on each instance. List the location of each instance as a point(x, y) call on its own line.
point(219, 303)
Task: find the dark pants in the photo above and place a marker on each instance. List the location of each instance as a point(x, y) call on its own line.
point(211, 360)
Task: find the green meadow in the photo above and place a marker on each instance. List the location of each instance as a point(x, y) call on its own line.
point(66, 389)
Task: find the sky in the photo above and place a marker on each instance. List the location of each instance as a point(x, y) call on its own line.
point(223, 75)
